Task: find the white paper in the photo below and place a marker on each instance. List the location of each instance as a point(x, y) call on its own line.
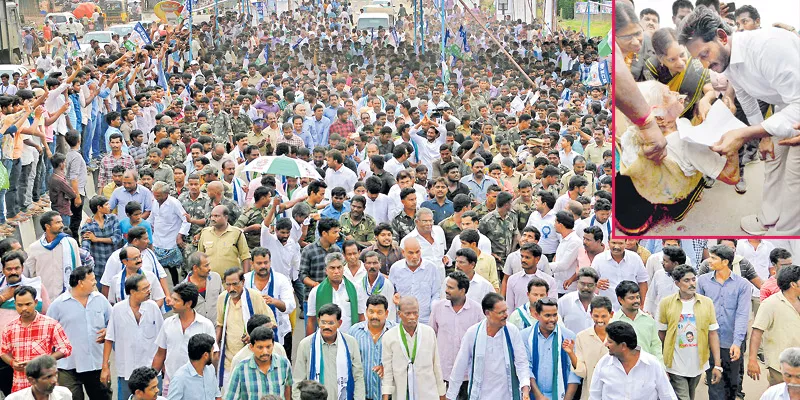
point(718, 121)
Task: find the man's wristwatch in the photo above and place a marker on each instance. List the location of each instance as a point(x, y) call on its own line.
point(718, 368)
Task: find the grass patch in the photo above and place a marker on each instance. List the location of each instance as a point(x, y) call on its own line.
point(599, 28)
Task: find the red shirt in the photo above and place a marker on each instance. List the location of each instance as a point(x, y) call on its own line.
point(42, 337)
point(769, 288)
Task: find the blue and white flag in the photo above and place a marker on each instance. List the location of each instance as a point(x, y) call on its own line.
point(446, 36)
point(463, 33)
point(603, 72)
point(263, 58)
point(139, 36)
point(396, 39)
point(300, 40)
point(260, 10)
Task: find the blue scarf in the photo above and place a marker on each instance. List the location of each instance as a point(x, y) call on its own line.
point(122, 282)
point(565, 363)
point(270, 293)
point(312, 373)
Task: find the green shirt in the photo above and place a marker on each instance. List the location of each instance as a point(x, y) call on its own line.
point(646, 332)
point(362, 232)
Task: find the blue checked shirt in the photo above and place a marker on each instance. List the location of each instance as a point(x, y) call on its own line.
point(370, 356)
point(249, 383)
point(102, 251)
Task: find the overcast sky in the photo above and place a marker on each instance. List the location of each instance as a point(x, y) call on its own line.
point(786, 11)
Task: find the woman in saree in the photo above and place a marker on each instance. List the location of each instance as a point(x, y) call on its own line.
point(631, 39)
point(672, 66)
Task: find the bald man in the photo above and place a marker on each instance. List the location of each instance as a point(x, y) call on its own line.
point(216, 197)
point(422, 378)
point(416, 277)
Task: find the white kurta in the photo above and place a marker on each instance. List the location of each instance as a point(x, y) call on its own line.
point(429, 381)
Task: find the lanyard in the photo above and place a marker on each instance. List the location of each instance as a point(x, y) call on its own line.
point(412, 354)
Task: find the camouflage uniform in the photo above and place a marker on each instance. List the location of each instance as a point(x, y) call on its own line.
point(241, 124)
point(220, 126)
point(554, 188)
point(171, 161)
point(402, 225)
point(252, 216)
point(501, 232)
point(192, 127)
point(197, 210)
point(482, 210)
point(450, 228)
point(523, 210)
point(512, 135)
point(362, 232)
point(232, 207)
point(179, 152)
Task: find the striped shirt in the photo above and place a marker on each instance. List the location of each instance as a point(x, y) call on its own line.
point(249, 383)
point(371, 352)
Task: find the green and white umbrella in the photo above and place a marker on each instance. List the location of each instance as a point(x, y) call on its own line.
point(282, 166)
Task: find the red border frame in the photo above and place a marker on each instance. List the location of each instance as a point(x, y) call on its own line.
point(614, 234)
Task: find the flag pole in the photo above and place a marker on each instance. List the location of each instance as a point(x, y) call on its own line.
point(497, 42)
point(189, 41)
point(444, 34)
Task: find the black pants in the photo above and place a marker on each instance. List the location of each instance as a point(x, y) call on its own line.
point(634, 215)
point(77, 382)
point(77, 218)
point(6, 378)
point(287, 344)
point(463, 391)
point(727, 387)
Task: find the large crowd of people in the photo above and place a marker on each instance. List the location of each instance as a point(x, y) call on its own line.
point(449, 238)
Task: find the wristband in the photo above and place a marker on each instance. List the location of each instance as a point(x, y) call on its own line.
point(644, 120)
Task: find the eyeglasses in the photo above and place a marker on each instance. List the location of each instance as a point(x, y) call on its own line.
point(327, 323)
point(627, 38)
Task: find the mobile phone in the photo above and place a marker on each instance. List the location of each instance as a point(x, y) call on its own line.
point(731, 7)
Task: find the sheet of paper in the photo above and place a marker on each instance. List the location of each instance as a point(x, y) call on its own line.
point(718, 121)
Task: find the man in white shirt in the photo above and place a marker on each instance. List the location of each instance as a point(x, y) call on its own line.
point(275, 289)
point(132, 265)
point(285, 251)
point(790, 368)
point(431, 240)
point(378, 204)
point(757, 252)
point(574, 308)
point(465, 261)
point(626, 372)
point(565, 264)
point(469, 220)
point(337, 175)
point(341, 291)
point(428, 147)
point(484, 351)
point(168, 218)
point(758, 67)
point(661, 283)
point(513, 263)
point(173, 339)
point(616, 265)
point(544, 219)
point(43, 376)
point(138, 238)
point(135, 338)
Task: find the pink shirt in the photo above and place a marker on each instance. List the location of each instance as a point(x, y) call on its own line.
point(450, 327)
point(769, 288)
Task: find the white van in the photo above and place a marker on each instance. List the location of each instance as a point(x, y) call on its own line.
point(367, 21)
